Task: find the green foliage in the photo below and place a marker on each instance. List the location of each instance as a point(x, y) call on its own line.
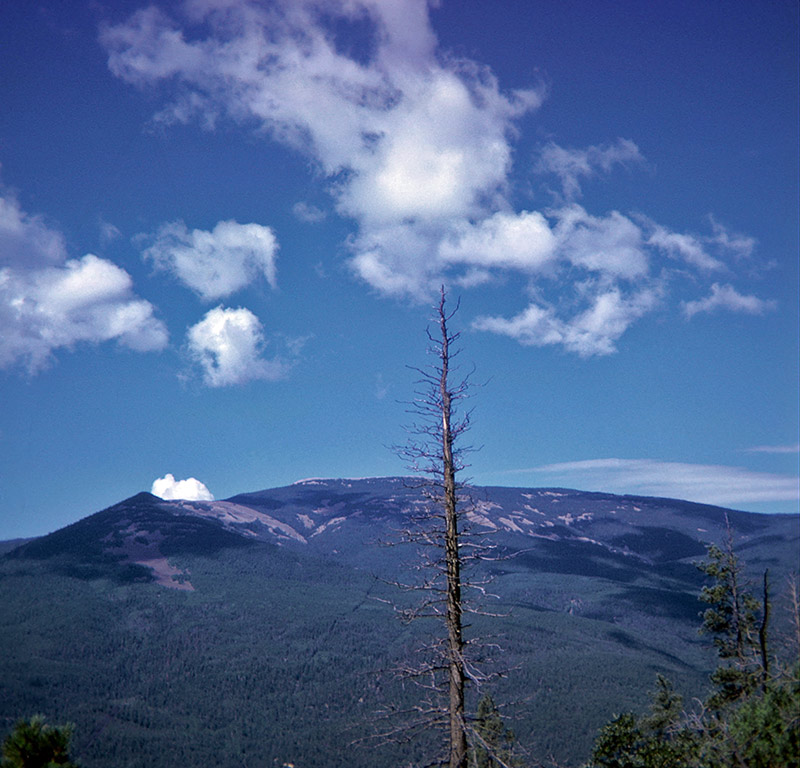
point(731, 620)
point(665, 709)
point(654, 741)
point(761, 731)
point(766, 729)
point(493, 742)
point(34, 744)
point(742, 723)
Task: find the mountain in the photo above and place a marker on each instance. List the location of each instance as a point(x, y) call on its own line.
point(260, 630)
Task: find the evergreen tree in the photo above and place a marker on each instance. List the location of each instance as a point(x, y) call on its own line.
point(731, 620)
point(34, 744)
point(658, 740)
point(766, 729)
point(751, 720)
point(493, 741)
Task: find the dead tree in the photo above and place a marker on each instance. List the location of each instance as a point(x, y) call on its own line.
point(433, 451)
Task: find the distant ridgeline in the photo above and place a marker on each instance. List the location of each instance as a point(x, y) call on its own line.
point(261, 631)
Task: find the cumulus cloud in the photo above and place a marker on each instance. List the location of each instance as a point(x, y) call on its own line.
point(190, 489)
point(726, 297)
point(514, 241)
point(417, 146)
point(218, 263)
point(413, 136)
point(710, 484)
point(228, 346)
point(609, 244)
point(48, 302)
point(405, 135)
point(573, 165)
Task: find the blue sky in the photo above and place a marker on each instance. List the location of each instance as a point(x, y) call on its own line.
point(223, 223)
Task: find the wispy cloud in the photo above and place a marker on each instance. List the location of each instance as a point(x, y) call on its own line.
point(706, 483)
point(685, 247)
point(27, 240)
point(108, 231)
point(310, 214)
point(591, 332)
point(741, 246)
point(776, 449)
point(572, 166)
point(726, 297)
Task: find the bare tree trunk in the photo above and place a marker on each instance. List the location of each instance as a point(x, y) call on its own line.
point(434, 450)
point(455, 641)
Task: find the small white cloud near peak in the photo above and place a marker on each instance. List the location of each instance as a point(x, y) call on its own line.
point(190, 489)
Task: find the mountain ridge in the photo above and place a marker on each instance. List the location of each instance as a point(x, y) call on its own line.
point(320, 512)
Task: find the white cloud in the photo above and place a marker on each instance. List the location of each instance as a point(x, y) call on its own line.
point(696, 250)
point(593, 331)
point(610, 244)
point(683, 246)
point(515, 241)
point(573, 165)
point(108, 231)
point(709, 484)
point(228, 345)
point(741, 246)
point(308, 213)
point(535, 326)
point(417, 147)
point(218, 263)
point(596, 330)
point(777, 449)
point(190, 489)
point(726, 297)
point(408, 138)
point(84, 300)
point(26, 240)
point(48, 302)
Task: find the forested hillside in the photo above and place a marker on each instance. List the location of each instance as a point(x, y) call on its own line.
point(262, 630)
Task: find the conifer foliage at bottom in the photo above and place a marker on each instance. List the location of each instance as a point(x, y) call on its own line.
point(35, 744)
point(752, 717)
